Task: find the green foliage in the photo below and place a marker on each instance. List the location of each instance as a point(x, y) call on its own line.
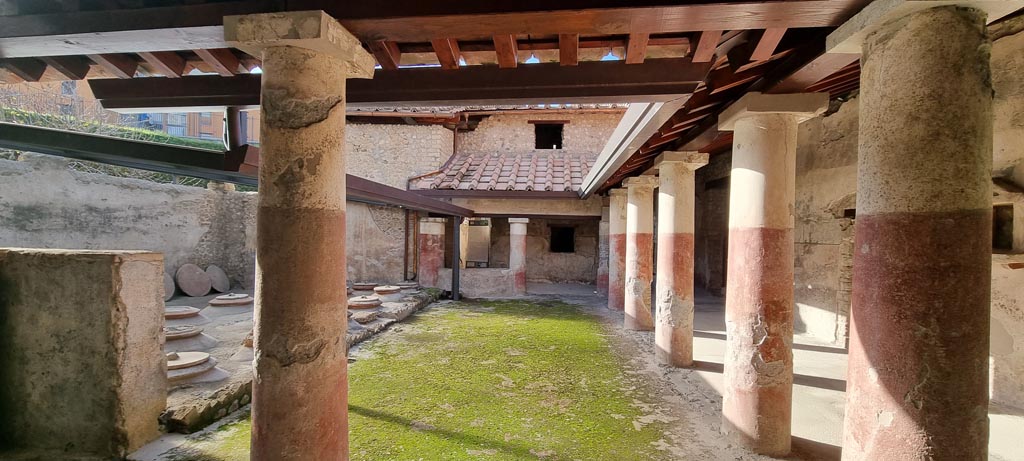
point(8, 114)
point(499, 380)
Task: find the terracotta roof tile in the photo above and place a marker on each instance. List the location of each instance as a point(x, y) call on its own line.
point(505, 171)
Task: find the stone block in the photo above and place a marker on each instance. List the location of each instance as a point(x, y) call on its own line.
point(82, 371)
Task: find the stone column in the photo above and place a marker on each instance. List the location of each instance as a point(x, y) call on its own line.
point(673, 327)
point(602, 253)
point(919, 342)
point(639, 252)
point(616, 249)
point(517, 253)
point(759, 286)
point(300, 388)
point(431, 255)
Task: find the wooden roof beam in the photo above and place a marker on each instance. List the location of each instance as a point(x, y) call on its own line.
point(119, 65)
point(447, 50)
point(507, 51)
point(387, 53)
point(706, 45)
point(168, 63)
point(72, 67)
point(767, 41)
point(569, 49)
point(27, 69)
point(222, 60)
point(636, 50)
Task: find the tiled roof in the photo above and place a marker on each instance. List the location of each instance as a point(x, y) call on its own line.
point(510, 172)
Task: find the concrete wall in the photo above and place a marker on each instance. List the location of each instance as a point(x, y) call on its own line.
point(586, 133)
point(391, 154)
point(82, 371)
point(43, 204)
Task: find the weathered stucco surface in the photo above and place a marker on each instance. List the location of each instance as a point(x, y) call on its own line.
point(586, 133)
point(43, 204)
point(541, 264)
point(74, 324)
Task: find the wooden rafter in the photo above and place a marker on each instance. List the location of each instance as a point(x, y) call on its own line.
point(222, 60)
point(706, 45)
point(119, 65)
point(506, 50)
point(767, 42)
point(168, 63)
point(447, 50)
point(27, 69)
point(388, 55)
point(636, 51)
point(72, 67)
point(569, 49)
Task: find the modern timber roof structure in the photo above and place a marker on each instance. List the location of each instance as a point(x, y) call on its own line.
point(701, 54)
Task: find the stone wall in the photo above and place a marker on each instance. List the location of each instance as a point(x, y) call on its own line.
point(711, 223)
point(391, 154)
point(586, 133)
point(541, 264)
point(82, 372)
point(375, 243)
point(44, 204)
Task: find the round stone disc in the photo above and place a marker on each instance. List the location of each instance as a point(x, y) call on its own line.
point(179, 312)
point(218, 279)
point(232, 299)
point(407, 285)
point(192, 280)
point(184, 331)
point(387, 289)
point(364, 302)
point(363, 285)
point(168, 287)
point(187, 359)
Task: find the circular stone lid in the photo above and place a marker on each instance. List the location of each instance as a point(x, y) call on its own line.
point(363, 285)
point(219, 280)
point(408, 284)
point(168, 286)
point(387, 289)
point(184, 331)
point(179, 312)
point(179, 360)
point(192, 280)
point(364, 302)
point(232, 299)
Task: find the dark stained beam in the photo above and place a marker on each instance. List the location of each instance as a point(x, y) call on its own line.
point(27, 69)
point(569, 49)
point(447, 50)
point(706, 45)
point(612, 81)
point(72, 67)
point(199, 26)
point(506, 50)
point(119, 65)
point(387, 53)
point(168, 63)
point(636, 51)
point(222, 60)
point(814, 71)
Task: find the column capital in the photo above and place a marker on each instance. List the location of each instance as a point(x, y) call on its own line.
point(691, 159)
point(641, 182)
point(849, 37)
point(312, 30)
point(618, 192)
point(803, 106)
point(518, 220)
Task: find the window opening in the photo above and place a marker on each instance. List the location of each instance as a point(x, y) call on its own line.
point(563, 239)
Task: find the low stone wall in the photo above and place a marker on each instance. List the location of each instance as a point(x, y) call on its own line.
point(479, 282)
point(82, 373)
point(44, 204)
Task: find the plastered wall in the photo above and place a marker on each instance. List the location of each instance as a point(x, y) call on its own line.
point(585, 133)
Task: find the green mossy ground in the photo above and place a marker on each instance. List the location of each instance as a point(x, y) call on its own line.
point(490, 380)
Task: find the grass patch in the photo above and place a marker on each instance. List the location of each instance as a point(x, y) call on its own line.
point(499, 380)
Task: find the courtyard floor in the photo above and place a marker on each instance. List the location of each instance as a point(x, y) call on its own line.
point(555, 377)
